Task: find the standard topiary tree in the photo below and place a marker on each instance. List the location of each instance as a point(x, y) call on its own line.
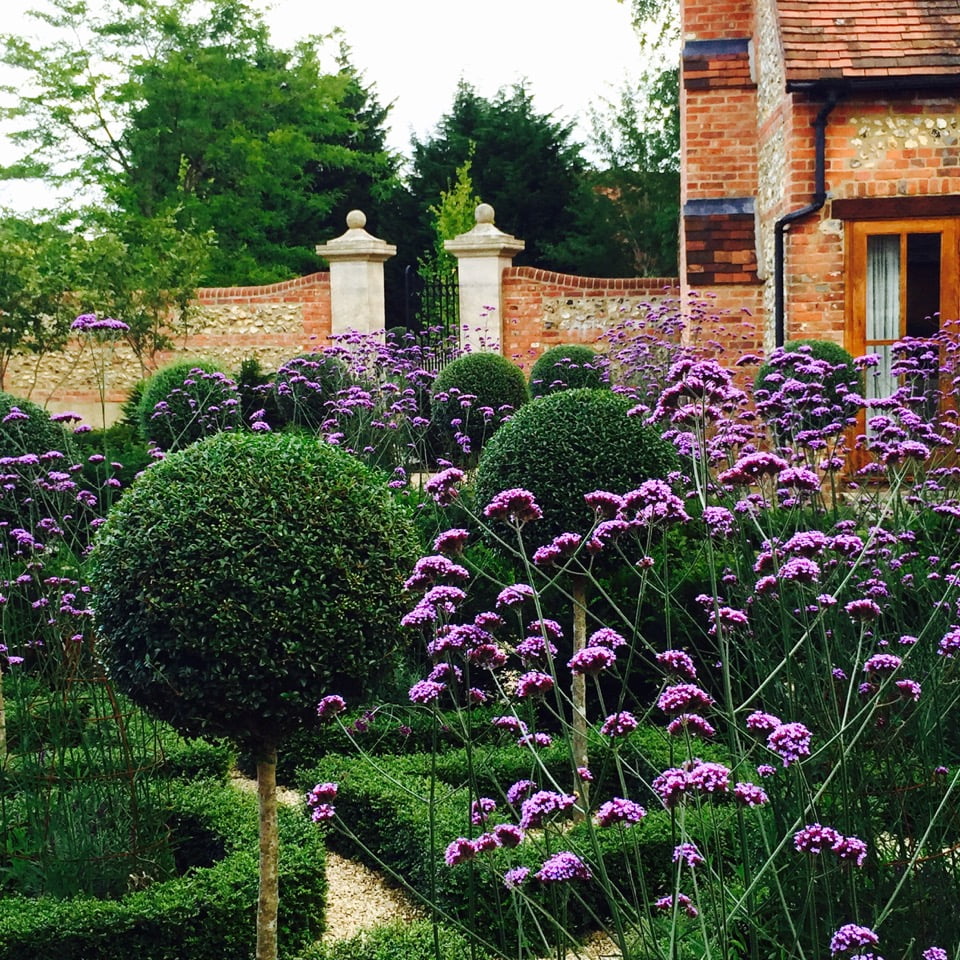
point(470, 399)
point(241, 580)
point(186, 401)
point(304, 386)
point(560, 448)
point(567, 368)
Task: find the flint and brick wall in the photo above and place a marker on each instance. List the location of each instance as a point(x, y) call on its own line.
point(542, 309)
point(228, 324)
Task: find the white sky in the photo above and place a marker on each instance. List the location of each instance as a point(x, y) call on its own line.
point(571, 53)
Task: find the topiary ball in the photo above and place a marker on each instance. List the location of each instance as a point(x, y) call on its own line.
point(186, 401)
point(303, 387)
point(566, 445)
point(471, 397)
point(567, 368)
point(27, 428)
point(244, 578)
point(804, 386)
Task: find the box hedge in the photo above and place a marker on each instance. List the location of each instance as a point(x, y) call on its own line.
point(207, 913)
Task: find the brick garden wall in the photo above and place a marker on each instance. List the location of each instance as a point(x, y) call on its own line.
point(542, 309)
point(272, 323)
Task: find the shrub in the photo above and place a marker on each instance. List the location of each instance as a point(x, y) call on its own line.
point(27, 428)
point(805, 385)
point(398, 941)
point(566, 445)
point(471, 398)
point(186, 401)
point(224, 577)
point(566, 368)
point(305, 385)
point(205, 914)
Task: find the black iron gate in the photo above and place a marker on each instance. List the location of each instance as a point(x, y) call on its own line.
point(432, 304)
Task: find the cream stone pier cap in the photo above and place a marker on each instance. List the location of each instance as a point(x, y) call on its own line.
point(356, 261)
point(482, 253)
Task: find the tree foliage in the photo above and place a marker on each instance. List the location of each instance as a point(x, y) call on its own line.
point(188, 109)
point(35, 313)
point(524, 162)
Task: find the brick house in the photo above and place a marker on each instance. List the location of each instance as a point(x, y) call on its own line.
point(821, 166)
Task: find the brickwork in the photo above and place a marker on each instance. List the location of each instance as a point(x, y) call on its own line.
point(899, 143)
point(542, 309)
point(228, 325)
point(721, 249)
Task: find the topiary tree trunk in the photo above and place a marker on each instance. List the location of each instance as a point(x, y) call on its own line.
point(578, 683)
point(269, 896)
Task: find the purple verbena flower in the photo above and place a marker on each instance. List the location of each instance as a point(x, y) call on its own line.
point(689, 854)
point(619, 811)
point(882, 663)
point(459, 851)
point(534, 683)
point(692, 724)
point(481, 809)
point(850, 936)
point(791, 741)
point(451, 541)
point(426, 691)
point(513, 595)
point(619, 724)
point(330, 706)
point(563, 866)
point(750, 795)
point(679, 662)
point(760, 721)
point(683, 697)
point(683, 902)
point(605, 637)
point(544, 805)
point(519, 791)
point(592, 660)
point(515, 505)
point(516, 877)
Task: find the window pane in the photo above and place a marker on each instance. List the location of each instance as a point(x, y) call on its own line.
point(923, 284)
point(883, 287)
point(879, 381)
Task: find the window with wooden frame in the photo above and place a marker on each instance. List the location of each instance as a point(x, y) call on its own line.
point(902, 277)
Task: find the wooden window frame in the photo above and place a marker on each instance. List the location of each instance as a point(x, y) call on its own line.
point(857, 232)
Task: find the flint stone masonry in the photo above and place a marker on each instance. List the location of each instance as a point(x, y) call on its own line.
point(271, 323)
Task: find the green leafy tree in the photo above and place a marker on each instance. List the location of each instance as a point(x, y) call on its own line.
point(230, 602)
point(523, 162)
point(35, 311)
point(637, 137)
point(188, 109)
point(141, 270)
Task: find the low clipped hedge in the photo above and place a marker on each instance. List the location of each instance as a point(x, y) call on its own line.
point(398, 941)
point(386, 808)
point(567, 368)
point(208, 913)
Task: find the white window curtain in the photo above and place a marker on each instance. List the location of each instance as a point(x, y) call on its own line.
point(883, 308)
